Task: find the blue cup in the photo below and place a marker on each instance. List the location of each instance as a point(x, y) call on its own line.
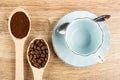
point(84, 36)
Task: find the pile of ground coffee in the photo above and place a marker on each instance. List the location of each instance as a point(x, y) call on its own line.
point(38, 53)
point(19, 25)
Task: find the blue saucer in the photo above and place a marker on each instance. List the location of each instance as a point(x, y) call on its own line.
point(67, 55)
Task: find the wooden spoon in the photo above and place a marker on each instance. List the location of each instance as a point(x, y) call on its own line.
point(38, 73)
point(19, 46)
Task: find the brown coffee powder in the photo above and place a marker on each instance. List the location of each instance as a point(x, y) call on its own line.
point(38, 53)
point(19, 25)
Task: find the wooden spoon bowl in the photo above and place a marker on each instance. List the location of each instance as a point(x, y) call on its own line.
point(37, 72)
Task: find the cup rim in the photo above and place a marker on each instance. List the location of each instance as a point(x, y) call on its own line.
point(92, 52)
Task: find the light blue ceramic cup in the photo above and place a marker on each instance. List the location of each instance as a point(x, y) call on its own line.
point(84, 37)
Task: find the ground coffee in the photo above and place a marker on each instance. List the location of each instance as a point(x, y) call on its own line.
point(19, 25)
point(38, 53)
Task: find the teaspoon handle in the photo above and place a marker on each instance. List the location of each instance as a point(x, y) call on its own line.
point(19, 75)
point(38, 74)
point(102, 18)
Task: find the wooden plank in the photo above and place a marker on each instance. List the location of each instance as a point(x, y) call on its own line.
point(44, 15)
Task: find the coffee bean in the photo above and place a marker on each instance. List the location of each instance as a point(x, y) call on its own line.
point(37, 65)
point(45, 59)
point(35, 47)
point(46, 55)
point(42, 59)
point(39, 61)
point(35, 56)
point(31, 49)
point(42, 64)
point(42, 55)
point(43, 47)
point(36, 52)
point(38, 56)
point(30, 57)
point(34, 60)
point(31, 52)
point(42, 41)
point(37, 42)
point(31, 46)
point(40, 45)
point(40, 52)
point(44, 52)
point(38, 48)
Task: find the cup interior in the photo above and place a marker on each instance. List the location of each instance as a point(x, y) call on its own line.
point(83, 36)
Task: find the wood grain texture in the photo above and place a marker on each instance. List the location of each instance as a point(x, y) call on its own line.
point(44, 14)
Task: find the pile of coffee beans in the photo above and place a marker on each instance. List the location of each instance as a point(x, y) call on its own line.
point(38, 53)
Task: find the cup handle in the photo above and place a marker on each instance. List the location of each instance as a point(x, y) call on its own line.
point(99, 58)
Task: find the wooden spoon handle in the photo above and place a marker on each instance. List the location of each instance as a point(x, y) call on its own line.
point(19, 75)
point(38, 74)
point(37, 77)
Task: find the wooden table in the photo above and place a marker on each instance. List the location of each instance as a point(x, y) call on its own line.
point(44, 15)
